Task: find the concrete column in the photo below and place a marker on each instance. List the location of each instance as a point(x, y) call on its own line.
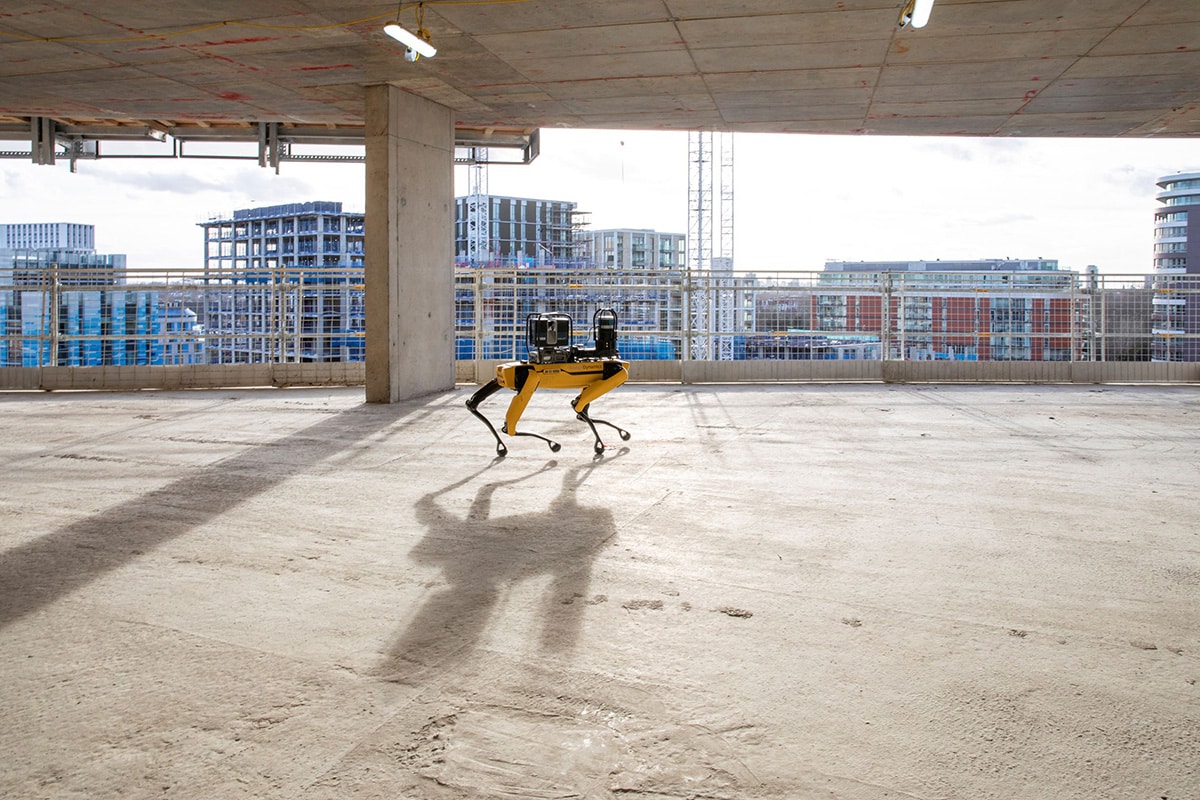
point(409, 245)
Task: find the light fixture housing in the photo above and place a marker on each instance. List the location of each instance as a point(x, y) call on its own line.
point(921, 11)
point(916, 13)
point(412, 41)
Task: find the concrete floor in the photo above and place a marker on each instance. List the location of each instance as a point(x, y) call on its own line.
point(853, 591)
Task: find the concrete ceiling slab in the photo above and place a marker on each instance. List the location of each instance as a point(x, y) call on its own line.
point(598, 41)
point(815, 56)
point(667, 86)
point(1082, 124)
point(786, 29)
point(1167, 38)
point(1183, 64)
point(947, 92)
point(937, 49)
point(1165, 12)
point(792, 80)
point(1182, 121)
point(850, 98)
point(984, 67)
point(746, 9)
point(39, 60)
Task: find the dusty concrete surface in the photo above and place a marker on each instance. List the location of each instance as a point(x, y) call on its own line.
point(769, 592)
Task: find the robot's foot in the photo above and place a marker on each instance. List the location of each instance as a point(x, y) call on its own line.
point(624, 434)
point(554, 446)
point(598, 446)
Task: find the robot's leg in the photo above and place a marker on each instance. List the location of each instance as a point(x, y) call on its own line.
point(527, 384)
point(592, 423)
point(614, 375)
point(481, 394)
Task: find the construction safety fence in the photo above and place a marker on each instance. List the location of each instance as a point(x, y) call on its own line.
point(307, 325)
point(954, 316)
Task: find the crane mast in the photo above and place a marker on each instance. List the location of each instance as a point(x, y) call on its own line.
point(710, 305)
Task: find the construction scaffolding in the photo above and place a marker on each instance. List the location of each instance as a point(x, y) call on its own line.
point(711, 306)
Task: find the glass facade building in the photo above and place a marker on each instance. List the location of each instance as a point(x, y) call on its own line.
point(1176, 317)
point(63, 304)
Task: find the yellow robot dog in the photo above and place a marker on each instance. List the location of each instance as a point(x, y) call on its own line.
point(555, 363)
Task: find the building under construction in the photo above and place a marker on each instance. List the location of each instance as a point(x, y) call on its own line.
point(491, 230)
point(300, 303)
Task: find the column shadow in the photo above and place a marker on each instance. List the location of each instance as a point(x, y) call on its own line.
point(40, 571)
point(483, 553)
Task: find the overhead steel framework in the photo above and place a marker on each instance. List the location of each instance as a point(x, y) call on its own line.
point(51, 140)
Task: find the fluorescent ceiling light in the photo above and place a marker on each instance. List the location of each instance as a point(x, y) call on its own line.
point(920, 14)
point(410, 40)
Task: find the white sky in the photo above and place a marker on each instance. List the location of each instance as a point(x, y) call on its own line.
point(799, 200)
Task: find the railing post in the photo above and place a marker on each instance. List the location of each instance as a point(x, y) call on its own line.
point(885, 316)
point(477, 311)
point(275, 316)
point(686, 296)
point(298, 334)
point(53, 316)
point(1074, 319)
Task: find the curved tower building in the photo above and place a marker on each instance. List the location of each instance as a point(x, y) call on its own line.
point(1176, 319)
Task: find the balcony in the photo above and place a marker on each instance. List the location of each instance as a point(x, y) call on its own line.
point(292, 593)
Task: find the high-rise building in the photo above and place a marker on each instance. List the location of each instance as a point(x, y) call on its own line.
point(650, 264)
point(295, 306)
point(637, 249)
point(37, 266)
point(47, 236)
point(64, 304)
point(30, 251)
point(1176, 264)
point(517, 231)
point(313, 234)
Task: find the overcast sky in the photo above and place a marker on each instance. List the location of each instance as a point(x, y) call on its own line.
point(799, 200)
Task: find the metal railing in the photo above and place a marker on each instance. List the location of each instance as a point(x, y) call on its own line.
point(89, 317)
point(1047, 316)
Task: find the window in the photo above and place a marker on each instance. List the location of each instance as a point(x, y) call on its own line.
point(1184, 184)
